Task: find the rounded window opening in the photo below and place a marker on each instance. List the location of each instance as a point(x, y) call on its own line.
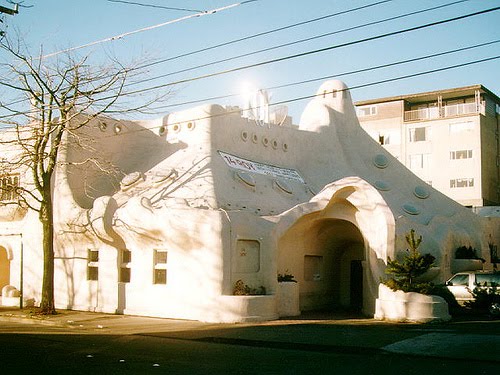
point(244, 136)
point(190, 125)
point(118, 128)
point(265, 141)
point(162, 130)
point(255, 138)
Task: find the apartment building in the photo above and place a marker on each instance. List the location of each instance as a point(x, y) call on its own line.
point(449, 138)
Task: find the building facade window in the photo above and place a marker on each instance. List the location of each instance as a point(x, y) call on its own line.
point(125, 260)
point(459, 127)
point(313, 267)
point(461, 154)
point(9, 188)
point(419, 134)
point(369, 110)
point(92, 265)
point(461, 182)
point(160, 267)
point(419, 161)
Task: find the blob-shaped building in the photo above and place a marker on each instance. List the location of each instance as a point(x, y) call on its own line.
point(167, 217)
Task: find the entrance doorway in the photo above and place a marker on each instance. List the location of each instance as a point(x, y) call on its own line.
point(326, 256)
point(4, 268)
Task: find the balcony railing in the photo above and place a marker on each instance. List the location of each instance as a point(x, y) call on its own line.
point(446, 111)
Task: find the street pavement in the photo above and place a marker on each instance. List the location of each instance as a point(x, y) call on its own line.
point(467, 339)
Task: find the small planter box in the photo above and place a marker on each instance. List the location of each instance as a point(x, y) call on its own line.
point(288, 299)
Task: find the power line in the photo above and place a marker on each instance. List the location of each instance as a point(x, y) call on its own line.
point(300, 98)
point(316, 51)
point(294, 42)
point(306, 97)
point(155, 6)
point(264, 33)
point(123, 35)
point(343, 74)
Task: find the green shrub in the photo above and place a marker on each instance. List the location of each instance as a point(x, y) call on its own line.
point(484, 297)
point(286, 277)
point(414, 264)
point(242, 289)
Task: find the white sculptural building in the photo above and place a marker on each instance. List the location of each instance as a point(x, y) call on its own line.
point(210, 196)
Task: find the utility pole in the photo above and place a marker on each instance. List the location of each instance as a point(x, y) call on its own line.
point(10, 11)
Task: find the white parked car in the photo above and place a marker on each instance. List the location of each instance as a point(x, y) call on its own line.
point(462, 284)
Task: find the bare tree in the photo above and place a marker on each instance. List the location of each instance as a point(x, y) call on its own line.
point(47, 100)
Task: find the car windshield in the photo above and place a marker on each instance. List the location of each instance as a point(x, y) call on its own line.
point(461, 279)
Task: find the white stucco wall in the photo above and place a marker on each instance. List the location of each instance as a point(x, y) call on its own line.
point(229, 199)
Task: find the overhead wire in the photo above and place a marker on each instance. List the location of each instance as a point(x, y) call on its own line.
point(296, 42)
point(272, 31)
point(311, 52)
point(314, 51)
point(155, 6)
point(312, 96)
point(336, 75)
point(123, 35)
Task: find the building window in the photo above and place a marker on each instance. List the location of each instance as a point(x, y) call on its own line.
point(160, 267)
point(462, 182)
point(461, 154)
point(313, 267)
point(419, 134)
point(369, 110)
point(459, 127)
point(125, 259)
point(92, 264)
point(9, 188)
point(419, 161)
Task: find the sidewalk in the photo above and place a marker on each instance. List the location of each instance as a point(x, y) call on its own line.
point(469, 339)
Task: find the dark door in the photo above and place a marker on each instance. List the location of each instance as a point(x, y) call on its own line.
point(356, 285)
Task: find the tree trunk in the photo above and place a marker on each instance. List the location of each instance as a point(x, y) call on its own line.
point(47, 304)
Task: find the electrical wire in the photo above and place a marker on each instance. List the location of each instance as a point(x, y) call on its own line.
point(311, 52)
point(336, 75)
point(257, 35)
point(123, 35)
point(155, 6)
point(295, 42)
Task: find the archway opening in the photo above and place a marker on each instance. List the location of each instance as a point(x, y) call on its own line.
point(327, 256)
point(4, 268)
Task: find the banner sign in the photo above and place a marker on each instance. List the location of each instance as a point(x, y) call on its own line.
point(260, 168)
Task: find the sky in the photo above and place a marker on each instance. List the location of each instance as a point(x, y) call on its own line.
point(51, 26)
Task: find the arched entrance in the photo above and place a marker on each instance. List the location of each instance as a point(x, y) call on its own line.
point(4, 268)
point(336, 245)
point(327, 259)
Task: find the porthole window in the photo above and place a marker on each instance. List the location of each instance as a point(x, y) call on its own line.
point(411, 209)
point(118, 128)
point(246, 178)
point(255, 138)
point(176, 128)
point(244, 135)
point(190, 125)
point(382, 186)
point(421, 192)
point(380, 161)
point(283, 186)
point(103, 126)
point(265, 141)
point(162, 130)
point(274, 143)
point(285, 147)
point(130, 179)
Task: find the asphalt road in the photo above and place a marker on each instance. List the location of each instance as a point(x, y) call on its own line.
point(300, 347)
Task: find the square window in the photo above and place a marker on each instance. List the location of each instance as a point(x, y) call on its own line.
point(92, 265)
point(160, 258)
point(160, 276)
point(313, 267)
point(124, 275)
